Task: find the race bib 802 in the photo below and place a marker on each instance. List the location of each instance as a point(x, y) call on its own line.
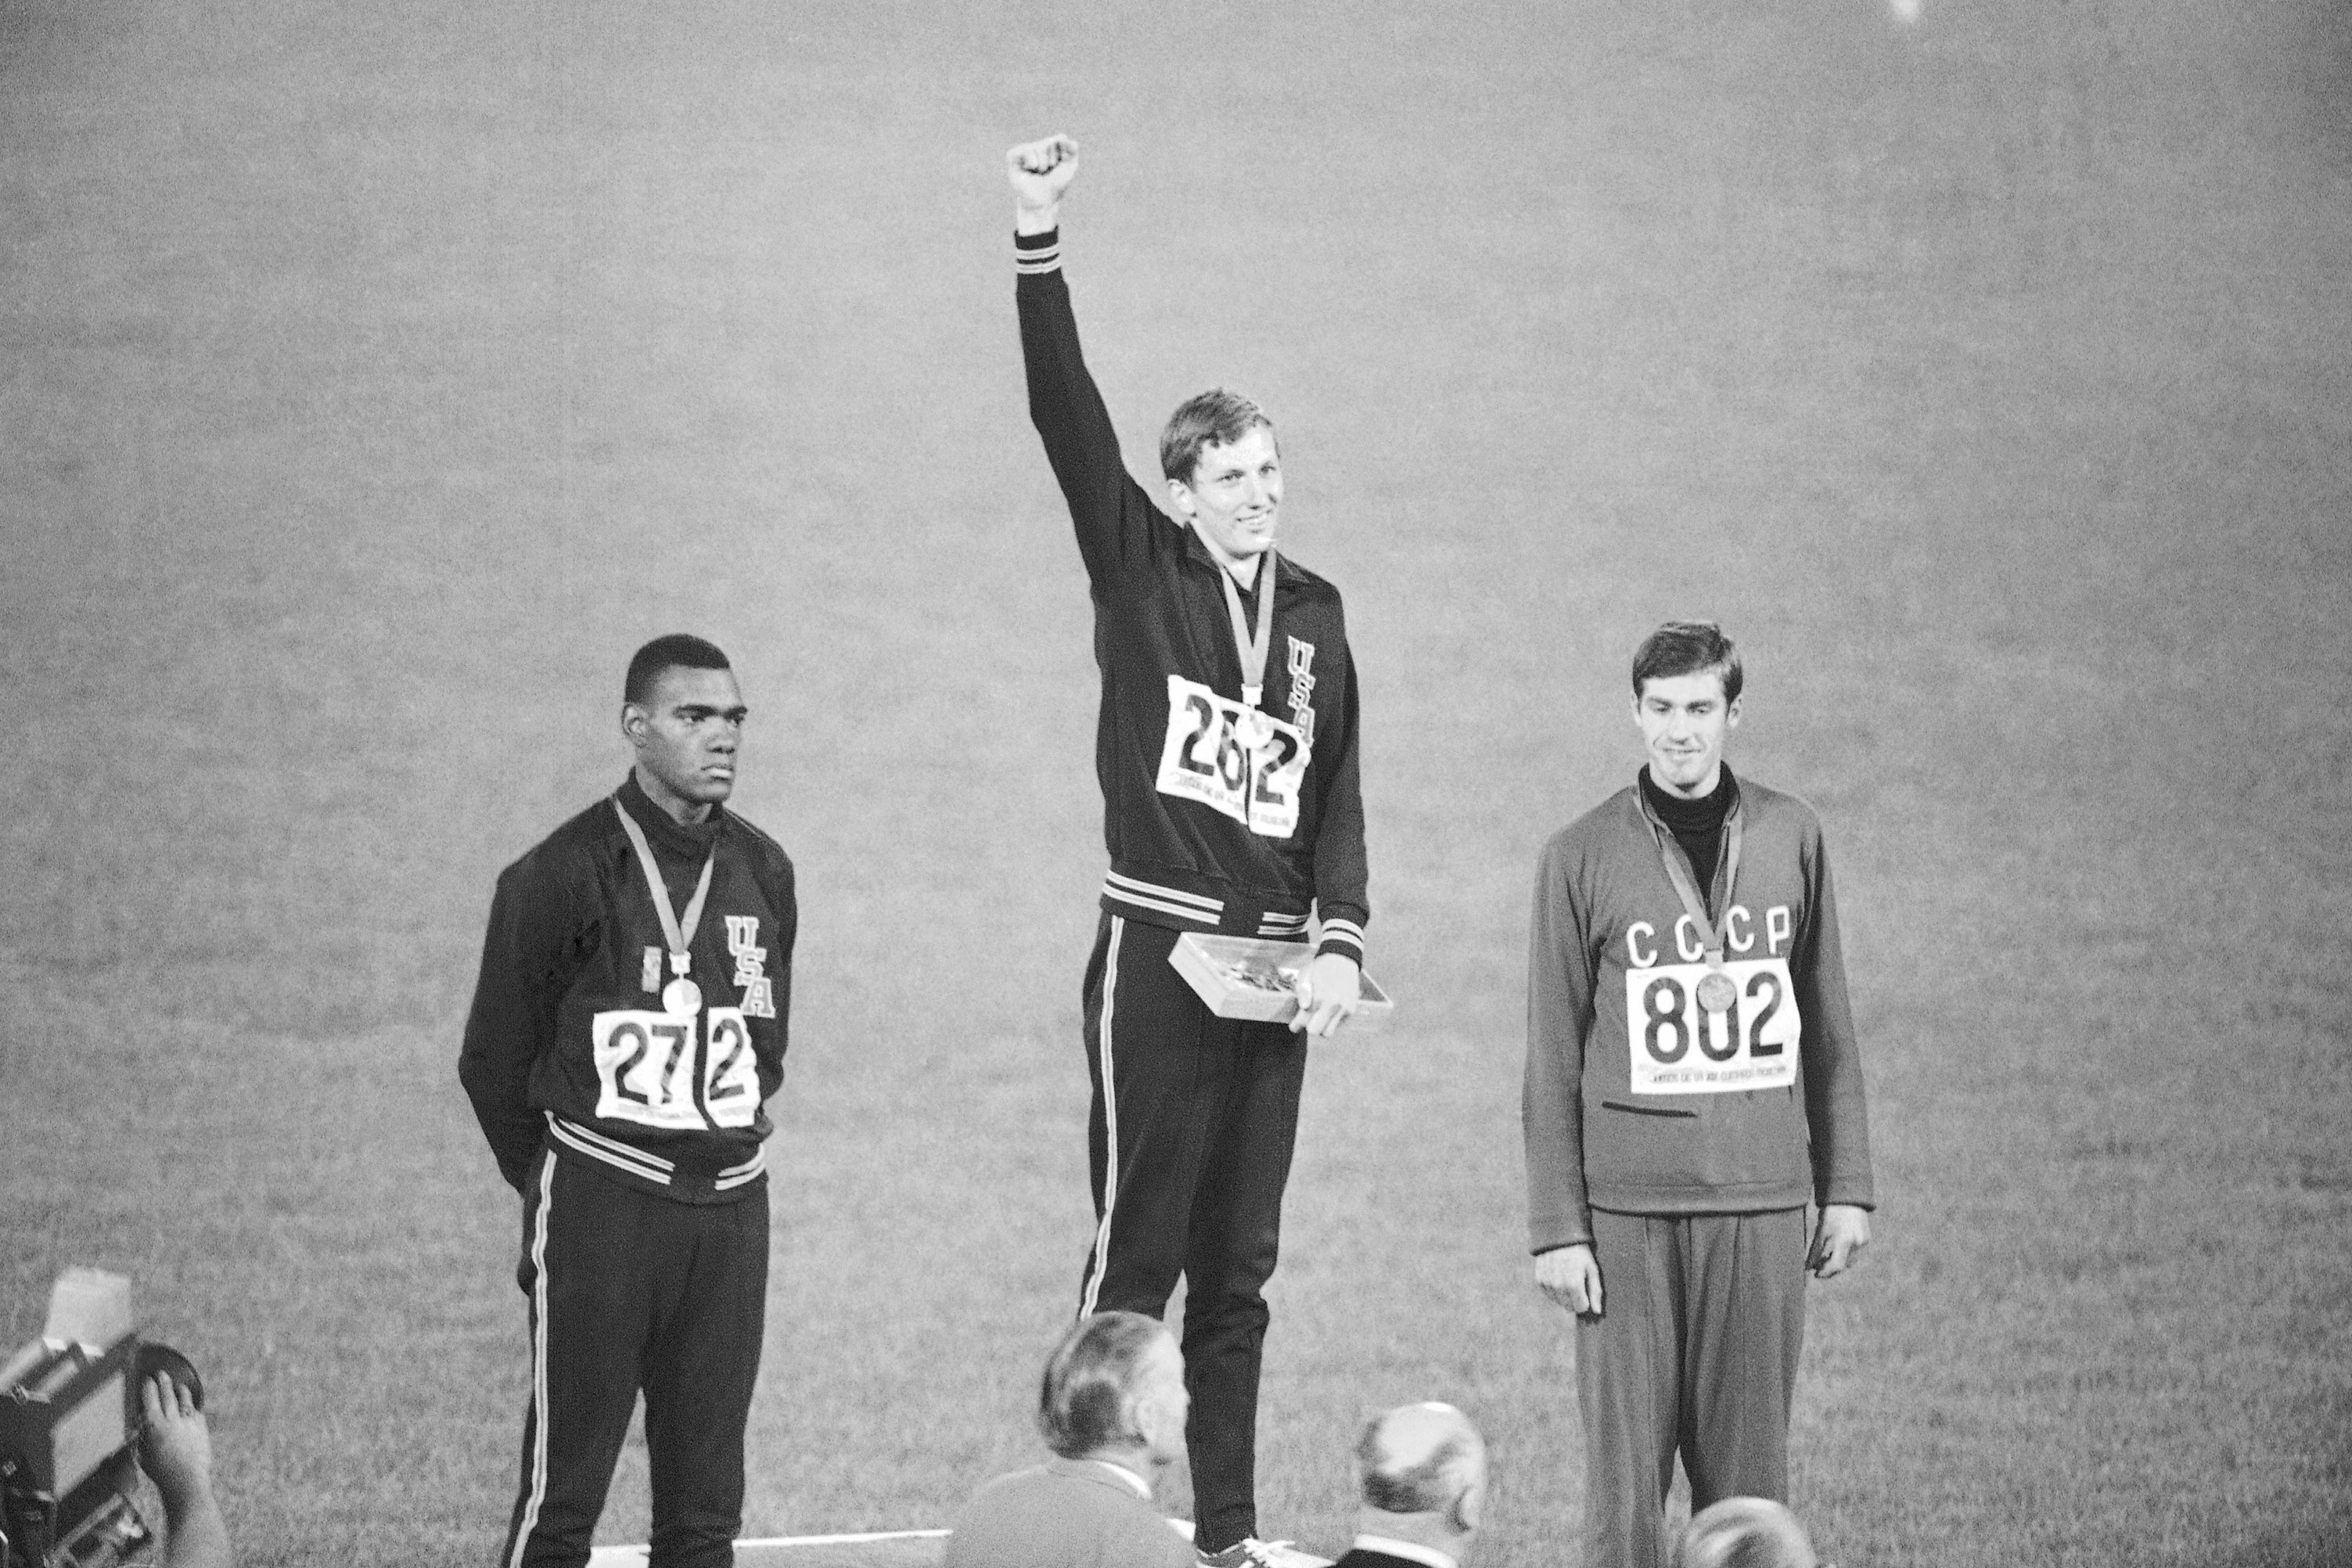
point(1204, 758)
point(1679, 1048)
point(651, 1068)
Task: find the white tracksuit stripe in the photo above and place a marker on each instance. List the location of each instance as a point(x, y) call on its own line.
point(538, 1362)
point(1125, 886)
point(1110, 1123)
point(646, 1165)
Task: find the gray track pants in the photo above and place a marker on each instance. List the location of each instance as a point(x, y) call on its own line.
point(1696, 1352)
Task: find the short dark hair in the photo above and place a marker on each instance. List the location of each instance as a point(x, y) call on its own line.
point(678, 650)
point(1214, 418)
point(1086, 1398)
point(1687, 647)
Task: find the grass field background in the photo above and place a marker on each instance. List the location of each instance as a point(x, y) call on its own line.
point(372, 380)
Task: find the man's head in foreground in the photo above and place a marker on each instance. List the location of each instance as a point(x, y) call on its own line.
point(1686, 685)
point(1114, 1390)
point(683, 715)
point(1224, 472)
point(1745, 1532)
point(1420, 1471)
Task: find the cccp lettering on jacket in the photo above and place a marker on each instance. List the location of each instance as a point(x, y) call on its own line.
point(1741, 933)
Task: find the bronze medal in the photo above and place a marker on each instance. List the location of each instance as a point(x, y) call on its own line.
point(1717, 992)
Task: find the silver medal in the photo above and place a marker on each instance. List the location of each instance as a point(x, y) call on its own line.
point(681, 998)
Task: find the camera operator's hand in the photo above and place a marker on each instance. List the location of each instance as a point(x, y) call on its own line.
point(176, 1452)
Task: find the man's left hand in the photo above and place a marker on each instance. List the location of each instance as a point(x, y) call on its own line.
point(1839, 1242)
point(1328, 990)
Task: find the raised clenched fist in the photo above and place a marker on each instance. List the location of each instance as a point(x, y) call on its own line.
point(1041, 171)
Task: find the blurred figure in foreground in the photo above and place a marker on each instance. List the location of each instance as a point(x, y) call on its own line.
point(1420, 1471)
point(1111, 1406)
point(1745, 1532)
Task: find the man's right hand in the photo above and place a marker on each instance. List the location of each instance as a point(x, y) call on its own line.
point(176, 1452)
point(176, 1449)
point(1571, 1277)
point(1040, 172)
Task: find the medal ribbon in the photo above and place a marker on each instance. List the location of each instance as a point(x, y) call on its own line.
point(676, 930)
point(1252, 648)
point(1678, 872)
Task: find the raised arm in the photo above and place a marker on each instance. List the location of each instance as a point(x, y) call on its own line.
point(1118, 527)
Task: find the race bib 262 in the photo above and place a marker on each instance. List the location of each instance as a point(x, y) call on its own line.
point(1679, 1048)
point(1204, 758)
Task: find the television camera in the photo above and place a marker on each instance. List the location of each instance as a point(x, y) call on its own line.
point(70, 1422)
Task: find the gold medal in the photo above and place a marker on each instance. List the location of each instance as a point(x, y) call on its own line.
point(1253, 728)
point(681, 998)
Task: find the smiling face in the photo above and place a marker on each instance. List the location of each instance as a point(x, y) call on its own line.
point(1685, 721)
point(685, 732)
point(1234, 495)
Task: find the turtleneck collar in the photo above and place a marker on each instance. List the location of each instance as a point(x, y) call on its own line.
point(1701, 815)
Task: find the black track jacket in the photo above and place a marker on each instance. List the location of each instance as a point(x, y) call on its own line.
point(1202, 835)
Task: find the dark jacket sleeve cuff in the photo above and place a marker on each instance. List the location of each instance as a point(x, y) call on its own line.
point(1343, 937)
point(1034, 253)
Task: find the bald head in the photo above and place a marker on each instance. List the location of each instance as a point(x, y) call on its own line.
point(1422, 1459)
point(1745, 1532)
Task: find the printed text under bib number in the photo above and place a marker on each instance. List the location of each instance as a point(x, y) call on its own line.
point(1203, 760)
point(1680, 1047)
point(663, 1071)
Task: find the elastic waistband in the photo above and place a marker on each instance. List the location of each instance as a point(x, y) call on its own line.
point(1160, 903)
point(688, 1181)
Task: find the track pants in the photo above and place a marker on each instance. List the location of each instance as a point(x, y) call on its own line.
point(1189, 1142)
point(1696, 1352)
point(630, 1291)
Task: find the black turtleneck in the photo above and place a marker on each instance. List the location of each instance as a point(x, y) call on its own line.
point(1696, 824)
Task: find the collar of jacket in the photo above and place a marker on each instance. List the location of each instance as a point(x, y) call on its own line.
point(1196, 549)
point(666, 831)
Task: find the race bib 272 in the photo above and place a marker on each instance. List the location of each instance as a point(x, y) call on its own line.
point(659, 1070)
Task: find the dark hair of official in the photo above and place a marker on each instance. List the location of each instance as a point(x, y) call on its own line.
point(1213, 419)
point(1084, 1399)
point(1687, 647)
point(677, 650)
point(1424, 1487)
